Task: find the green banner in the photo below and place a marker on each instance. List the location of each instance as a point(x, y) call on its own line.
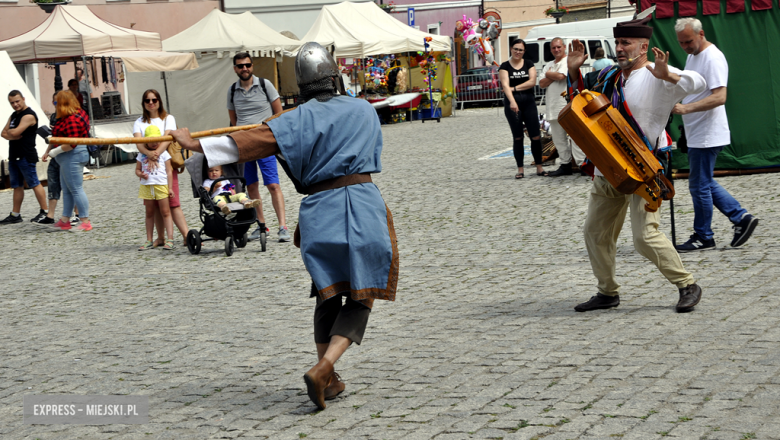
point(750, 42)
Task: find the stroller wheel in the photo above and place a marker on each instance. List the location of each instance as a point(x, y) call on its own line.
point(229, 246)
point(193, 241)
point(241, 242)
point(263, 238)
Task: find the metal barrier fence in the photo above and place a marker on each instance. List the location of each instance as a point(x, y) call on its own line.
point(482, 87)
point(485, 87)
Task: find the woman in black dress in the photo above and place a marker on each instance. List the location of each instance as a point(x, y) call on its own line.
point(518, 78)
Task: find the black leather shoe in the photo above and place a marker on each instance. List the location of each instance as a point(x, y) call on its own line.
point(689, 297)
point(598, 302)
point(563, 170)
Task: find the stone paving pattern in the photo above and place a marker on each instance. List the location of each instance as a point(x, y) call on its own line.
point(482, 342)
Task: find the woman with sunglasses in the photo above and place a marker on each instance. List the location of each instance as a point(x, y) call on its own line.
point(518, 78)
point(154, 114)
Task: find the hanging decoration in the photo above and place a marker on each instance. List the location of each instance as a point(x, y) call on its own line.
point(477, 37)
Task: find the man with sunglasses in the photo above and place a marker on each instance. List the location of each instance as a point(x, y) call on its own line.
point(252, 100)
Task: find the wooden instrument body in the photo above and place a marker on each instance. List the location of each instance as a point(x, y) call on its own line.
point(614, 148)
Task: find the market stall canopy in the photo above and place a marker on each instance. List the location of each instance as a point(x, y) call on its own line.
point(358, 30)
point(74, 31)
point(219, 31)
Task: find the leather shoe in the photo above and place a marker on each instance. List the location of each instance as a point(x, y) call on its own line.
point(689, 297)
point(563, 170)
point(598, 302)
point(335, 388)
point(317, 379)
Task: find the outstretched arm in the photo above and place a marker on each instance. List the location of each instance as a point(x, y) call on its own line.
point(183, 137)
point(661, 69)
point(241, 146)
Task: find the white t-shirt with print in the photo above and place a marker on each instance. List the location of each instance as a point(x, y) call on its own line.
point(168, 124)
point(709, 128)
point(158, 176)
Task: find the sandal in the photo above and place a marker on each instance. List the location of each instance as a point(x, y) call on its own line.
point(543, 174)
point(519, 175)
point(146, 246)
point(168, 245)
point(158, 242)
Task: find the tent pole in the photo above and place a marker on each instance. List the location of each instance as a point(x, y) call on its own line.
point(89, 97)
point(89, 102)
point(165, 85)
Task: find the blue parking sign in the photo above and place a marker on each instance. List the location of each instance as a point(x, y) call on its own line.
point(410, 16)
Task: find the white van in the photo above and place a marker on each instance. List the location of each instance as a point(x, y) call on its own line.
point(595, 34)
point(538, 50)
point(602, 26)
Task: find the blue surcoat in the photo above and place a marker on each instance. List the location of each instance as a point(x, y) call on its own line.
point(347, 237)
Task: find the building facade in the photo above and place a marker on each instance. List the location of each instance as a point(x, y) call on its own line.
point(520, 16)
point(20, 16)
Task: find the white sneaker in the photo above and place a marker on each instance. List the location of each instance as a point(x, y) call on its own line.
point(284, 235)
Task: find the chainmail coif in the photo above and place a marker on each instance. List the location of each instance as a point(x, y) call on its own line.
point(322, 90)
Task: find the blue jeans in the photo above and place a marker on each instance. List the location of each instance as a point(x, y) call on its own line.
point(706, 192)
point(71, 179)
point(21, 171)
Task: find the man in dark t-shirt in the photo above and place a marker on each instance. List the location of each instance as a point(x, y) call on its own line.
point(22, 157)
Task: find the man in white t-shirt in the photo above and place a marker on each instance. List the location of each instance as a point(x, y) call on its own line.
point(554, 80)
point(707, 133)
point(650, 91)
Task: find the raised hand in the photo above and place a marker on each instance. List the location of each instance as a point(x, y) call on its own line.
point(661, 69)
point(577, 55)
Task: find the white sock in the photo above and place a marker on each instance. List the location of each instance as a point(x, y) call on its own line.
point(15, 214)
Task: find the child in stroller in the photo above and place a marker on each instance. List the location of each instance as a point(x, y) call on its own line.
point(226, 192)
point(224, 218)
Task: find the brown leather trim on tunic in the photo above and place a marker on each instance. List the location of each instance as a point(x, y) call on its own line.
point(366, 296)
point(338, 182)
point(257, 143)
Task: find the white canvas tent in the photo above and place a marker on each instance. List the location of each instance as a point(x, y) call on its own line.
point(74, 31)
point(219, 31)
point(10, 80)
point(198, 98)
point(358, 30)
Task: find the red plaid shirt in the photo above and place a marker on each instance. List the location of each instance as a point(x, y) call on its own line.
point(75, 125)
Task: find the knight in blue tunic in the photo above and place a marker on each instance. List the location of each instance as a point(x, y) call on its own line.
point(329, 147)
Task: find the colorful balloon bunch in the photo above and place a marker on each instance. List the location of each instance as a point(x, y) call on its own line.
point(479, 42)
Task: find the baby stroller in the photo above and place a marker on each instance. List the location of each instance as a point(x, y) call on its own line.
point(233, 227)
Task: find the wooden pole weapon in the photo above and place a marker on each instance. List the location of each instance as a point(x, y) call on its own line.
point(145, 140)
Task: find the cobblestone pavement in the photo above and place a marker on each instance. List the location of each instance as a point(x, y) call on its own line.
point(482, 342)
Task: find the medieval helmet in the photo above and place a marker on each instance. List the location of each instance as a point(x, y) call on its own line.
point(314, 63)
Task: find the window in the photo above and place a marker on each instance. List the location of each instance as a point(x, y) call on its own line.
point(433, 29)
point(593, 45)
point(548, 56)
point(531, 52)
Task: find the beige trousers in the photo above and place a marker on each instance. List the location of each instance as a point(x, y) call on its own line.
point(565, 146)
point(606, 214)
